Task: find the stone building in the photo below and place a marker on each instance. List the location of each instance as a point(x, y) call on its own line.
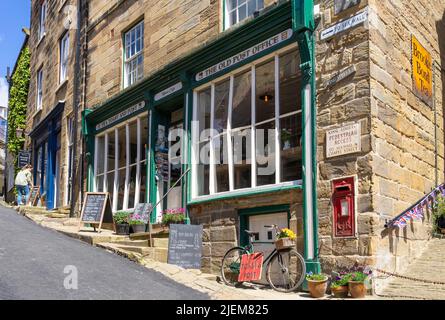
point(315, 122)
point(53, 108)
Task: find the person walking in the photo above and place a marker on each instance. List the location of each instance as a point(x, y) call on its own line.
point(23, 181)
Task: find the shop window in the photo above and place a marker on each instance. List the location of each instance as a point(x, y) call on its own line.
point(238, 10)
point(251, 142)
point(39, 89)
point(134, 54)
point(121, 163)
point(42, 20)
point(64, 54)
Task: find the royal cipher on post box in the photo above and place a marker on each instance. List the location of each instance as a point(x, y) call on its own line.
point(343, 200)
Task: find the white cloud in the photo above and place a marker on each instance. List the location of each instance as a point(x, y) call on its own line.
point(3, 92)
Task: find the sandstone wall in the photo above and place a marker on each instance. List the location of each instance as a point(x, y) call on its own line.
point(408, 137)
point(171, 29)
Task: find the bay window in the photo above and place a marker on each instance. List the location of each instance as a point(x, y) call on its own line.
point(247, 128)
point(121, 163)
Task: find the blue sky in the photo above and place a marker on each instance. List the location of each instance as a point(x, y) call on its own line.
point(14, 15)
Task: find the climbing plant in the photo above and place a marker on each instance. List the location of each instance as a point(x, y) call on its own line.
point(18, 97)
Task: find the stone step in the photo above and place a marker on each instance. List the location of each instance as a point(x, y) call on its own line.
point(146, 235)
point(157, 254)
point(134, 243)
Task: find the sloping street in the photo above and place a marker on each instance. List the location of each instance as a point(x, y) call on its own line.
point(33, 260)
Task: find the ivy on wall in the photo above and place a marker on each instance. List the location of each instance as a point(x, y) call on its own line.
point(18, 97)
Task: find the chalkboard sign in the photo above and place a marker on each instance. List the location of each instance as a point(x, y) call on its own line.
point(34, 196)
point(24, 158)
point(96, 208)
point(185, 246)
point(144, 211)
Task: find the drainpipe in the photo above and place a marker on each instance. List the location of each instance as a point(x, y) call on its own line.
point(76, 105)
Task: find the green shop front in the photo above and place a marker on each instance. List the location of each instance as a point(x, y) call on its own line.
point(226, 132)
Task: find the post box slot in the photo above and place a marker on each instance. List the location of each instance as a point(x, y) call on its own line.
point(343, 188)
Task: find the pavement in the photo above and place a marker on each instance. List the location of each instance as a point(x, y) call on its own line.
point(38, 263)
point(192, 284)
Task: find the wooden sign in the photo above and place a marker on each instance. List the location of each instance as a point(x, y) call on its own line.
point(34, 196)
point(96, 209)
point(422, 65)
point(251, 267)
point(185, 246)
point(343, 140)
point(344, 25)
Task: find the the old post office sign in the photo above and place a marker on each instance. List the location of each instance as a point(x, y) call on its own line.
point(343, 140)
point(241, 56)
point(170, 90)
point(422, 65)
point(345, 25)
point(127, 112)
point(342, 5)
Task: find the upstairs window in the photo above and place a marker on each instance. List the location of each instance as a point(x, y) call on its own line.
point(134, 55)
point(238, 10)
point(64, 53)
point(42, 20)
point(39, 89)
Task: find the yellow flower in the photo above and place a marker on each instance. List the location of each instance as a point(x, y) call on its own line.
point(287, 233)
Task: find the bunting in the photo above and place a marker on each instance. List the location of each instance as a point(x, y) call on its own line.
point(416, 212)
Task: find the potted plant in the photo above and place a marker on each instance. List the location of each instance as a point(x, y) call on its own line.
point(137, 223)
point(285, 139)
point(317, 284)
point(439, 215)
point(285, 239)
point(356, 282)
point(340, 287)
point(121, 222)
point(175, 216)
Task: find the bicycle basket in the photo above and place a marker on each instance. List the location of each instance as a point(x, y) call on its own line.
point(284, 244)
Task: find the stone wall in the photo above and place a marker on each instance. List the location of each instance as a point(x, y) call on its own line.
point(172, 29)
point(396, 166)
point(221, 223)
point(408, 137)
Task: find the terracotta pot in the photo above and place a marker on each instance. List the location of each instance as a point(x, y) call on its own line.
point(317, 289)
point(340, 292)
point(357, 289)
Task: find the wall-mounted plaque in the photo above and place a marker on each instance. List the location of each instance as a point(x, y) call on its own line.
point(340, 76)
point(345, 25)
point(343, 140)
point(342, 5)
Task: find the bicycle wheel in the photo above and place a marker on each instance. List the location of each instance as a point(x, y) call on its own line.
point(230, 266)
point(286, 271)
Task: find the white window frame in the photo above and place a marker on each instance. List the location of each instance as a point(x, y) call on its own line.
point(131, 61)
point(39, 91)
point(42, 19)
point(195, 135)
point(64, 48)
point(106, 171)
point(240, 3)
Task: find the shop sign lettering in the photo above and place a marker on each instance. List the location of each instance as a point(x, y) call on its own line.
point(343, 140)
point(129, 111)
point(168, 91)
point(345, 25)
point(422, 65)
point(238, 58)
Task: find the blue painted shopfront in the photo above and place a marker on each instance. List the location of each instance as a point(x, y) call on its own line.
point(46, 142)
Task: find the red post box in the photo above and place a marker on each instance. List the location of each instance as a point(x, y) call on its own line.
point(343, 200)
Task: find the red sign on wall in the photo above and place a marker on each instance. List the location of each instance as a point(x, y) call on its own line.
point(251, 267)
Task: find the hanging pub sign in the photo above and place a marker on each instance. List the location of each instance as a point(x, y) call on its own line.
point(96, 210)
point(345, 25)
point(127, 112)
point(24, 158)
point(248, 53)
point(342, 5)
point(343, 140)
point(422, 69)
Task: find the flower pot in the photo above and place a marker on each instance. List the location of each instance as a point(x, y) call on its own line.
point(138, 228)
point(340, 292)
point(357, 289)
point(317, 288)
point(284, 243)
point(122, 229)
